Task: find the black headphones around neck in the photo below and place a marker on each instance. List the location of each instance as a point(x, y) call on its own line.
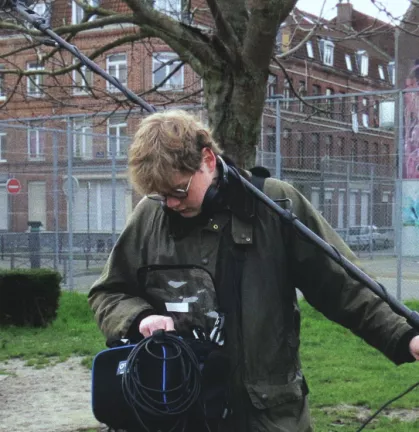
point(215, 196)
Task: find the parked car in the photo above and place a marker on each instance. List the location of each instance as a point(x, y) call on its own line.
point(361, 236)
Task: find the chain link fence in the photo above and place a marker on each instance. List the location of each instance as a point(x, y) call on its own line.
point(348, 156)
point(340, 151)
point(64, 192)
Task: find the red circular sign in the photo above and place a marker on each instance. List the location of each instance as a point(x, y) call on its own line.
point(13, 186)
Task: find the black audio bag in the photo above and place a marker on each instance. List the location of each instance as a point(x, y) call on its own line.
point(110, 407)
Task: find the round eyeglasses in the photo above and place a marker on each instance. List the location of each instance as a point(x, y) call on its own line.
point(175, 193)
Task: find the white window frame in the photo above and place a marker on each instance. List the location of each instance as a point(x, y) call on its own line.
point(119, 125)
point(77, 12)
point(365, 113)
point(363, 62)
point(327, 50)
point(117, 67)
point(348, 61)
point(172, 8)
point(392, 72)
point(3, 136)
point(159, 60)
point(2, 84)
point(39, 143)
point(83, 80)
point(82, 139)
point(310, 51)
point(34, 82)
point(381, 72)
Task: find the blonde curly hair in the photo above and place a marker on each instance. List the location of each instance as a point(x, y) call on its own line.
point(164, 144)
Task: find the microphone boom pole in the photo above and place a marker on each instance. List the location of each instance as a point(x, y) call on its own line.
point(39, 23)
point(411, 316)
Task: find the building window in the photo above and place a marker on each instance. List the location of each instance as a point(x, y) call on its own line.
point(300, 149)
point(385, 154)
point(341, 147)
point(362, 60)
point(354, 152)
point(287, 149)
point(83, 80)
point(381, 72)
point(343, 109)
point(327, 52)
point(328, 146)
point(330, 102)
point(78, 12)
point(365, 113)
point(376, 115)
point(36, 144)
point(167, 71)
point(364, 151)
point(117, 136)
point(271, 85)
point(315, 142)
point(2, 84)
point(3, 147)
point(82, 139)
point(310, 52)
point(271, 139)
point(348, 61)
point(287, 93)
point(392, 72)
point(316, 90)
point(35, 82)
point(375, 152)
point(302, 92)
point(116, 65)
point(173, 8)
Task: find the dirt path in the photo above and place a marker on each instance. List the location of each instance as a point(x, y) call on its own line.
point(53, 399)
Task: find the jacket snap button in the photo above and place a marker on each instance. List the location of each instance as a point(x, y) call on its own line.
point(265, 397)
point(205, 261)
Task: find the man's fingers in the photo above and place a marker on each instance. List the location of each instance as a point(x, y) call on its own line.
point(155, 322)
point(170, 325)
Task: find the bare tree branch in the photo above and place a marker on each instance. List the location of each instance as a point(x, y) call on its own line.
point(265, 17)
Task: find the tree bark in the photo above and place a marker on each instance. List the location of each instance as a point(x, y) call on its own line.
point(235, 103)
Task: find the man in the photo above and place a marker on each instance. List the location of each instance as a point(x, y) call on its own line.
point(198, 245)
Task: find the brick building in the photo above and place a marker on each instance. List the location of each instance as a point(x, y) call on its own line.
point(57, 114)
point(337, 148)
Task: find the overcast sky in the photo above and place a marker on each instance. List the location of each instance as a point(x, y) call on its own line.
point(395, 7)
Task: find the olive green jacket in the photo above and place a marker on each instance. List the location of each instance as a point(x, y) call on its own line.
point(149, 270)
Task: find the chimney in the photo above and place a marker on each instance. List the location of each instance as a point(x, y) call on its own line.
point(344, 15)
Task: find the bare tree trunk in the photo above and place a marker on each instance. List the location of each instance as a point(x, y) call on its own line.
point(234, 104)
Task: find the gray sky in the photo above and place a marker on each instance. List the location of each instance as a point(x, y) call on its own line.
point(396, 7)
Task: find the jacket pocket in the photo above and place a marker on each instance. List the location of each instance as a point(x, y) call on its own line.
point(265, 395)
point(186, 293)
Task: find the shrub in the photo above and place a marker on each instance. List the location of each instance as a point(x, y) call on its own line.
point(29, 297)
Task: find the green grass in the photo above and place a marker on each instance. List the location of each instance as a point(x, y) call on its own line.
point(74, 332)
point(343, 371)
point(348, 380)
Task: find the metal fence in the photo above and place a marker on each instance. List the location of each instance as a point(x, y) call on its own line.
point(345, 153)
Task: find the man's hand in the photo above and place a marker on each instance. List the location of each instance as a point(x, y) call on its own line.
point(414, 347)
point(158, 322)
